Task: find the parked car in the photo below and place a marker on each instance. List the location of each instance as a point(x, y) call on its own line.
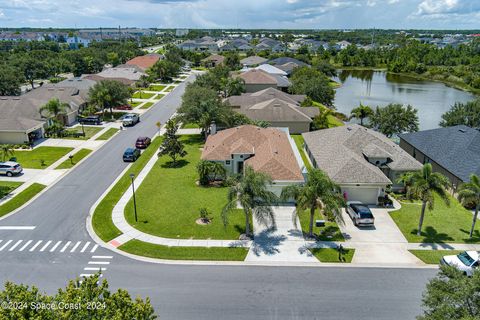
point(90, 120)
point(124, 107)
point(143, 142)
point(10, 168)
point(360, 214)
point(131, 154)
point(466, 261)
point(130, 119)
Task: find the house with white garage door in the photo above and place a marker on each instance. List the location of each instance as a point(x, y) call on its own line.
point(362, 161)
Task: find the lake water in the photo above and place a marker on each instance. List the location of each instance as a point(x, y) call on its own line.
point(377, 88)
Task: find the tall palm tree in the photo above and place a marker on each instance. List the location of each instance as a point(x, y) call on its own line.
point(422, 185)
point(319, 192)
point(470, 193)
point(361, 112)
point(6, 150)
point(252, 194)
point(53, 108)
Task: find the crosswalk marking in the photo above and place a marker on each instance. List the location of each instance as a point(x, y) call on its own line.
point(25, 245)
point(85, 246)
point(75, 246)
point(94, 248)
point(98, 262)
point(102, 257)
point(5, 245)
point(55, 246)
point(95, 269)
point(46, 245)
point(15, 245)
point(35, 245)
point(65, 246)
point(89, 275)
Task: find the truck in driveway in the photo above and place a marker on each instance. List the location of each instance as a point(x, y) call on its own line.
point(466, 261)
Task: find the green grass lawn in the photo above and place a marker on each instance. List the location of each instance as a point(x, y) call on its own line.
point(190, 126)
point(7, 187)
point(331, 231)
point(159, 215)
point(102, 217)
point(21, 198)
point(89, 132)
point(159, 97)
point(135, 104)
point(433, 256)
point(116, 115)
point(332, 120)
point(147, 105)
point(142, 95)
point(107, 134)
point(77, 157)
point(331, 255)
point(32, 159)
point(184, 253)
point(443, 224)
point(170, 88)
point(298, 138)
point(155, 88)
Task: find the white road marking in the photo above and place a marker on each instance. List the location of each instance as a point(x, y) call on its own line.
point(46, 245)
point(17, 227)
point(94, 248)
point(95, 269)
point(35, 245)
point(25, 245)
point(89, 275)
point(75, 246)
point(55, 246)
point(5, 245)
point(102, 257)
point(15, 245)
point(98, 262)
point(65, 246)
point(85, 246)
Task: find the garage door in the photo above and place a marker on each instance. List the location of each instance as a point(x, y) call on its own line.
point(364, 195)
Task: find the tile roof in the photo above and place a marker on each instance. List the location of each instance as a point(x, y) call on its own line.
point(340, 152)
point(258, 77)
point(144, 62)
point(457, 148)
point(271, 69)
point(270, 149)
point(253, 60)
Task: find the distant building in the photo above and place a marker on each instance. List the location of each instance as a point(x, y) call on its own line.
point(181, 32)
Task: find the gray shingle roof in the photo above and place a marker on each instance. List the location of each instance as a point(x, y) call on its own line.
point(253, 60)
point(457, 149)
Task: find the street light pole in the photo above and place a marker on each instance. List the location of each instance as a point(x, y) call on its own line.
point(132, 176)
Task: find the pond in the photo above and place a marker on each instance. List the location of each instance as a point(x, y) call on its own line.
point(379, 88)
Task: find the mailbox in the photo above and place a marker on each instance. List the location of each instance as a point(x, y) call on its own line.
point(320, 223)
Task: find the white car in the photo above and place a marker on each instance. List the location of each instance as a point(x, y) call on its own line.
point(130, 119)
point(10, 168)
point(466, 261)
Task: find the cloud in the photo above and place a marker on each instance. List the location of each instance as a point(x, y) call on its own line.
point(436, 7)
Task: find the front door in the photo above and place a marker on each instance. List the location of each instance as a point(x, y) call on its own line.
point(240, 167)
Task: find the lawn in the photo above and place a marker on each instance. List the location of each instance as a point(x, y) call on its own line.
point(135, 104)
point(169, 89)
point(331, 231)
point(102, 217)
point(7, 187)
point(443, 224)
point(33, 159)
point(332, 120)
point(142, 95)
point(190, 126)
point(21, 198)
point(116, 115)
point(147, 105)
point(159, 215)
point(184, 253)
point(433, 256)
point(107, 134)
point(77, 157)
point(298, 138)
point(89, 132)
point(158, 97)
point(155, 88)
point(331, 254)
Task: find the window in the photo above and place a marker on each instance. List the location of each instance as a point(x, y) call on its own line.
point(227, 162)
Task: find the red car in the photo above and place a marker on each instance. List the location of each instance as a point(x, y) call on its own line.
point(143, 142)
point(124, 107)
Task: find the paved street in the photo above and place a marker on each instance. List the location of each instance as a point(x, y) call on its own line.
point(187, 292)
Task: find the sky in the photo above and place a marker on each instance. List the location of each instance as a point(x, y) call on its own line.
point(246, 14)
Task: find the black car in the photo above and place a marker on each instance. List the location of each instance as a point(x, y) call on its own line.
point(90, 120)
point(131, 155)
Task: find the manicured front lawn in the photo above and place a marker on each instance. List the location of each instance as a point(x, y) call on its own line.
point(102, 217)
point(107, 134)
point(190, 126)
point(331, 231)
point(169, 201)
point(147, 105)
point(21, 198)
point(298, 138)
point(33, 159)
point(77, 157)
point(142, 95)
point(184, 253)
point(7, 187)
point(158, 97)
point(443, 224)
point(169, 89)
point(155, 88)
point(331, 255)
point(89, 132)
point(433, 256)
point(135, 104)
point(116, 115)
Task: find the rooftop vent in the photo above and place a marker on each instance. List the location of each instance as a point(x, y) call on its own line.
point(462, 130)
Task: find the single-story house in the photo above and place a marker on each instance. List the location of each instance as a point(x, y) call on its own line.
point(452, 151)
point(256, 80)
point(213, 60)
point(144, 62)
point(253, 61)
point(271, 69)
point(127, 74)
point(287, 64)
point(267, 150)
point(278, 108)
point(362, 161)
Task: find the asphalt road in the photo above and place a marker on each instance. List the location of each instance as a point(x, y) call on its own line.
point(192, 292)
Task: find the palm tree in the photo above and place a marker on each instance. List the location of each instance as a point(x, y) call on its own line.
point(6, 150)
point(422, 185)
point(361, 112)
point(319, 192)
point(470, 193)
point(54, 107)
point(252, 194)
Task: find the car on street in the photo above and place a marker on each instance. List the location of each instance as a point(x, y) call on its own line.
point(360, 213)
point(10, 168)
point(130, 119)
point(143, 142)
point(90, 120)
point(466, 261)
point(131, 154)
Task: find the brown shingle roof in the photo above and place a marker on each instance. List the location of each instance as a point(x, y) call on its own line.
point(258, 77)
point(270, 149)
point(144, 62)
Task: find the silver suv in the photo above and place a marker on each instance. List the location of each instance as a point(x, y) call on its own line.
point(10, 168)
point(130, 119)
